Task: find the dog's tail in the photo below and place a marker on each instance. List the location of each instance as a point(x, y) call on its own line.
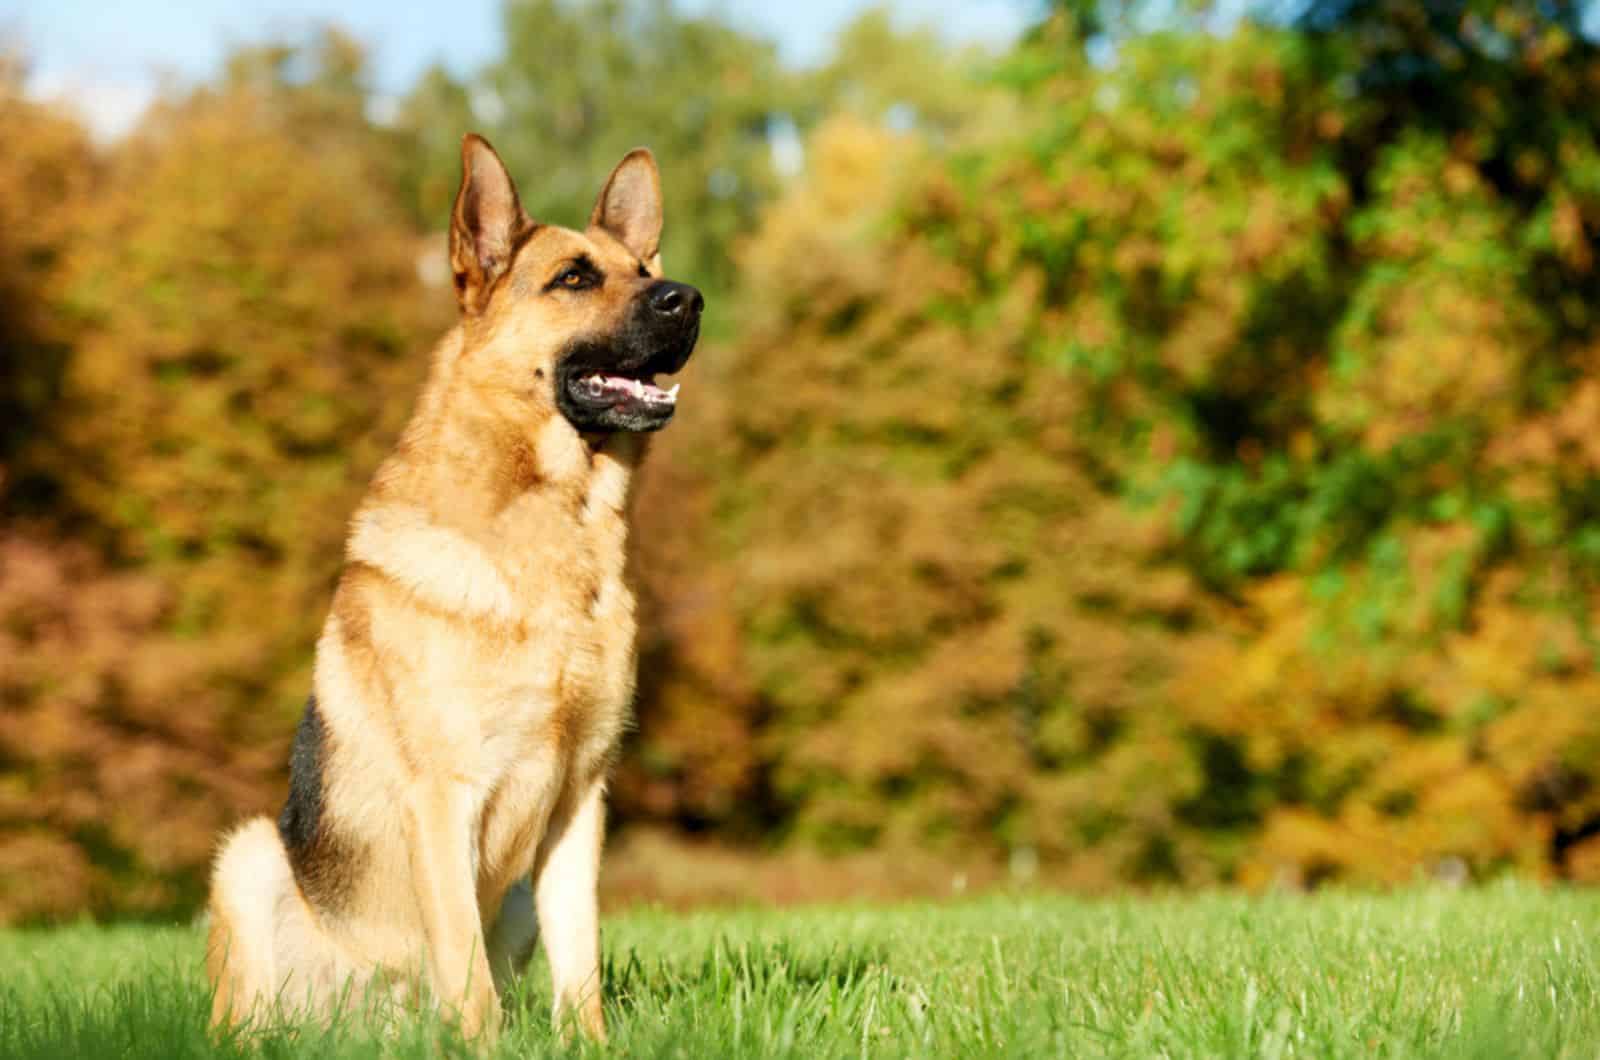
point(249, 884)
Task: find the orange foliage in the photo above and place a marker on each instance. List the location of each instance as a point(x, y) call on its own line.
point(239, 295)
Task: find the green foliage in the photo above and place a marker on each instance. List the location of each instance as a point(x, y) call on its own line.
point(910, 79)
point(1504, 973)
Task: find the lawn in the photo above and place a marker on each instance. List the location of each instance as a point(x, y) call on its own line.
point(1504, 971)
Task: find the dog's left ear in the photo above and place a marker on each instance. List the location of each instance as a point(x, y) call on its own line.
point(629, 206)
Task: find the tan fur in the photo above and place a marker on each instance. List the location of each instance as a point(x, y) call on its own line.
point(474, 674)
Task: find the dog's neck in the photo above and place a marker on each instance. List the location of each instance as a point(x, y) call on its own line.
point(471, 461)
point(481, 482)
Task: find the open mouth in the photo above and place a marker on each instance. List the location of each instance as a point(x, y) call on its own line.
point(608, 383)
point(609, 389)
point(615, 398)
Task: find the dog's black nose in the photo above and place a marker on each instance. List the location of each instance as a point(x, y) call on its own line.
point(676, 299)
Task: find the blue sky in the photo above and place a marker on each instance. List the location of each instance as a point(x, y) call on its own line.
point(107, 56)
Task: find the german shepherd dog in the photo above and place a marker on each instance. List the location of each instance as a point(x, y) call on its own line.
point(447, 782)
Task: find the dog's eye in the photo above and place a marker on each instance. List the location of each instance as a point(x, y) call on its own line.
point(579, 274)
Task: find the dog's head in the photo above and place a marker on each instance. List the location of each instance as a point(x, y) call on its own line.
point(579, 323)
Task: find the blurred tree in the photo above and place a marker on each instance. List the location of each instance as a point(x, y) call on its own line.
point(248, 328)
point(700, 761)
point(1175, 521)
point(1422, 56)
point(911, 79)
point(46, 177)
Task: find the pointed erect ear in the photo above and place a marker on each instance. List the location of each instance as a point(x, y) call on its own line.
point(485, 225)
point(629, 206)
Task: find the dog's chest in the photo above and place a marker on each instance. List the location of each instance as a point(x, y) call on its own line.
point(578, 634)
point(595, 674)
point(569, 687)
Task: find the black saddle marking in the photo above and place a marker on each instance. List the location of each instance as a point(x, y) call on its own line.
point(323, 861)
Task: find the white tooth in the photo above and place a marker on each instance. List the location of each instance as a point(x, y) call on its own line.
point(673, 393)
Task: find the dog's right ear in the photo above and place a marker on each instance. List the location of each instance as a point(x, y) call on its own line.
point(485, 225)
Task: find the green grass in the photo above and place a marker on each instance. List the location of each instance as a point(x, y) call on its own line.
point(1507, 971)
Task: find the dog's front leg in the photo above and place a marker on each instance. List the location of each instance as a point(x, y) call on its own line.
point(569, 915)
point(438, 819)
